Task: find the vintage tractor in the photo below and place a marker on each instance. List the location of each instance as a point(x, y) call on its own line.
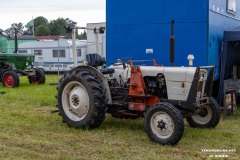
point(13, 64)
point(162, 95)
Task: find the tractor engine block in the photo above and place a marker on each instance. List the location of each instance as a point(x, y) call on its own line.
point(119, 93)
point(156, 86)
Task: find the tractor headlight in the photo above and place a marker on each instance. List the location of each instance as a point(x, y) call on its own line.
point(26, 63)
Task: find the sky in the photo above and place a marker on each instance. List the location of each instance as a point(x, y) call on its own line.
point(80, 11)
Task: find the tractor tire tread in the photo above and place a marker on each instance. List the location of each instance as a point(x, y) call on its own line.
point(176, 116)
point(15, 78)
point(95, 91)
point(214, 120)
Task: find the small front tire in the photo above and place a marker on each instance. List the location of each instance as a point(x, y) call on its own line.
point(208, 117)
point(163, 124)
point(38, 78)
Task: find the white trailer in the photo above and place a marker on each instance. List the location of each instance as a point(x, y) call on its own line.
point(54, 55)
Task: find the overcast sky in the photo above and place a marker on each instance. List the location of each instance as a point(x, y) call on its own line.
point(81, 11)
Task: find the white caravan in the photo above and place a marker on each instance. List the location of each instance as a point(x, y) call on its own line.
point(54, 56)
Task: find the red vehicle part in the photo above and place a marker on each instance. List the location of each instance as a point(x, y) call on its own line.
point(10, 79)
point(138, 91)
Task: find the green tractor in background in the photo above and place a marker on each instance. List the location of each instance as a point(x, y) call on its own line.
point(12, 65)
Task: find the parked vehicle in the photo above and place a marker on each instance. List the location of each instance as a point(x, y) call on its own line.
point(13, 64)
point(162, 95)
point(53, 56)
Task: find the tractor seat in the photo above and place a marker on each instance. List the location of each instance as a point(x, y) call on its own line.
point(107, 71)
point(94, 59)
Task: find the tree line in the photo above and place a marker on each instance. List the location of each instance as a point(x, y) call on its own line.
point(43, 27)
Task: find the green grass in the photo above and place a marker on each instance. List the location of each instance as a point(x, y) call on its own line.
point(28, 130)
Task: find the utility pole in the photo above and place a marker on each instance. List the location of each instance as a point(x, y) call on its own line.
point(15, 40)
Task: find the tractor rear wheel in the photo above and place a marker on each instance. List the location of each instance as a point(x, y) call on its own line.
point(10, 79)
point(81, 99)
point(208, 117)
point(163, 124)
point(38, 78)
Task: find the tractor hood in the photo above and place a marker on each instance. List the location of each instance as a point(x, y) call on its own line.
point(181, 74)
point(178, 79)
point(16, 55)
point(18, 61)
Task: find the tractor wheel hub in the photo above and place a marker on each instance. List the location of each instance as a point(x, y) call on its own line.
point(203, 112)
point(161, 124)
point(75, 100)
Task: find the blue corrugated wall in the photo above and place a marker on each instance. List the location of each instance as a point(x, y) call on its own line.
point(136, 25)
point(219, 21)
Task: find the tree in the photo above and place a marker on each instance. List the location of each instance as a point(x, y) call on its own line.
point(42, 30)
point(40, 20)
point(42, 27)
point(18, 26)
point(57, 27)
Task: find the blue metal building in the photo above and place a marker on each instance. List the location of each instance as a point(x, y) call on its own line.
point(141, 29)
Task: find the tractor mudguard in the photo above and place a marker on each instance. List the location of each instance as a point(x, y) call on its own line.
point(103, 79)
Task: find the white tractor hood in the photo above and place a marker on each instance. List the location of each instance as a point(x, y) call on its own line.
point(178, 79)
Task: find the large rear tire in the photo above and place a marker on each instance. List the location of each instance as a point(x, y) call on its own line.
point(10, 79)
point(163, 124)
point(81, 99)
point(208, 117)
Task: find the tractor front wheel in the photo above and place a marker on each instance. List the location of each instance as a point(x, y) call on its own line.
point(38, 78)
point(10, 79)
point(208, 117)
point(163, 124)
point(81, 99)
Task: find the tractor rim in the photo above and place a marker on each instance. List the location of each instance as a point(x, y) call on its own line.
point(8, 80)
point(162, 125)
point(75, 101)
point(204, 116)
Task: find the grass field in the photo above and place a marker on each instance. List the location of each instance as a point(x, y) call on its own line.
point(28, 130)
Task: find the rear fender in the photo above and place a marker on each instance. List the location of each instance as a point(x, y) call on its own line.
point(5, 70)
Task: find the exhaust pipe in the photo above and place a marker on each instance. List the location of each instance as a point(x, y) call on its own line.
point(172, 44)
point(15, 40)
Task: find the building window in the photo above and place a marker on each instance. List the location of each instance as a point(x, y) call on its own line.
point(22, 51)
point(37, 52)
point(61, 53)
point(79, 54)
point(231, 6)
